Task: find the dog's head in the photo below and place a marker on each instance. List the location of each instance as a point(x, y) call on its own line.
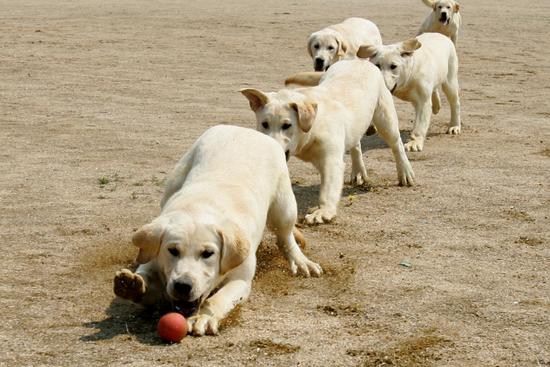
point(285, 116)
point(325, 48)
point(444, 10)
point(191, 256)
point(392, 60)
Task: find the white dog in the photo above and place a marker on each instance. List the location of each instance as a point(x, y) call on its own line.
point(413, 71)
point(321, 123)
point(200, 252)
point(341, 40)
point(444, 18)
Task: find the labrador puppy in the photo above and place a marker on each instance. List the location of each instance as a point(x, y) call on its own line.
point(319, 124)
point(341, 40)
point(200, 252)
point(413, 71)
point(444, 18)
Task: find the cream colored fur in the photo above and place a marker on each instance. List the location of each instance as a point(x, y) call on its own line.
point(413, 71)
point(319, 124)
point(340, 41)
point(200, 252)
point(444, 18)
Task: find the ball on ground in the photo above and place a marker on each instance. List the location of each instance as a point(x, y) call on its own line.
point(172, 327)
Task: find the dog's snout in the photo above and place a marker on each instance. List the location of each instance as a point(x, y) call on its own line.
point(182, 290)
point(319, 64)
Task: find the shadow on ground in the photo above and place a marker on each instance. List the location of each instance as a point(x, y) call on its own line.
point(127, 319)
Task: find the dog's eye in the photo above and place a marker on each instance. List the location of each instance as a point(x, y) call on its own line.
point(316, 47)
point(265, 125)
point(393, 66)
point(174, 252)
point(330, 48)
point(286, 126)
point(206, 254)
point(377, 65)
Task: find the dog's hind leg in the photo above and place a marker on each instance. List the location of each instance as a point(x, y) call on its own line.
point(436, 102)
point(451, 89)
point(358, 170)
point(387, 125)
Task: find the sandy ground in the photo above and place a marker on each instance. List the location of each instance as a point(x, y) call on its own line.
point(100, 99)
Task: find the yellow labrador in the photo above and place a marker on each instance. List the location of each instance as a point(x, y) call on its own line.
point(319, 124)
point(445, 18)
point(200, 252)
point(340, 41)
point(413, 71)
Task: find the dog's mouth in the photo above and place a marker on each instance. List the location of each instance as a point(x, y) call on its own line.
point(394, 88)
point(186, 308)
point(287, 155)
point(443, 19)
point(318, 68)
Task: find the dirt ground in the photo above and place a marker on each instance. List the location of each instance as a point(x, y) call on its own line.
point(100, 99)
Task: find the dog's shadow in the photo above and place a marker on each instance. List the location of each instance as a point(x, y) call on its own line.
point(127, 319)
point(371, 142)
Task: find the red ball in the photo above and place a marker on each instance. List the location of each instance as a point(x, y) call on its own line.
point(172, 327)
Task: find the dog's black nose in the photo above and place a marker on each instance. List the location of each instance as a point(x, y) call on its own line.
point(443, 16)
point(182, 290)
point(319, 63)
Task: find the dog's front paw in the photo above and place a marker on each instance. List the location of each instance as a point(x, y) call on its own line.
point(129, 285)
point(454, 130)
point(320, 216)
point(300, 264)
point(414, 146)
point(406, 176)
point(202, 324)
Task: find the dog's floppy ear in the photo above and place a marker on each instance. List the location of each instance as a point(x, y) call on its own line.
point(306, 112)
point(234, 247)
point(342, 47)
point(256, 98)
point(148, 239)
point(367, 51)
point(310, 40)
point(409, 46)
point(456, 7)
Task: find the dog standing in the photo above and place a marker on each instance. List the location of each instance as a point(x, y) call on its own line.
point(444, 18)
point(319, 124)
point(200, 252)
point(413, 71)
point(340, 41)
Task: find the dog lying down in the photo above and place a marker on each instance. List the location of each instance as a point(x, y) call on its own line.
point(319, 124)
point(200, 252)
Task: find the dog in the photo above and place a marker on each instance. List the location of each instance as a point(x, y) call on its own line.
point(319, 124)
point(200, 252)
point(444, 18)
point(413, 71)
point(340, 41)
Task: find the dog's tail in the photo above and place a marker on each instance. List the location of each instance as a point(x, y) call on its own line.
point(299, 237)
point(306, 79)
point(429, 3)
